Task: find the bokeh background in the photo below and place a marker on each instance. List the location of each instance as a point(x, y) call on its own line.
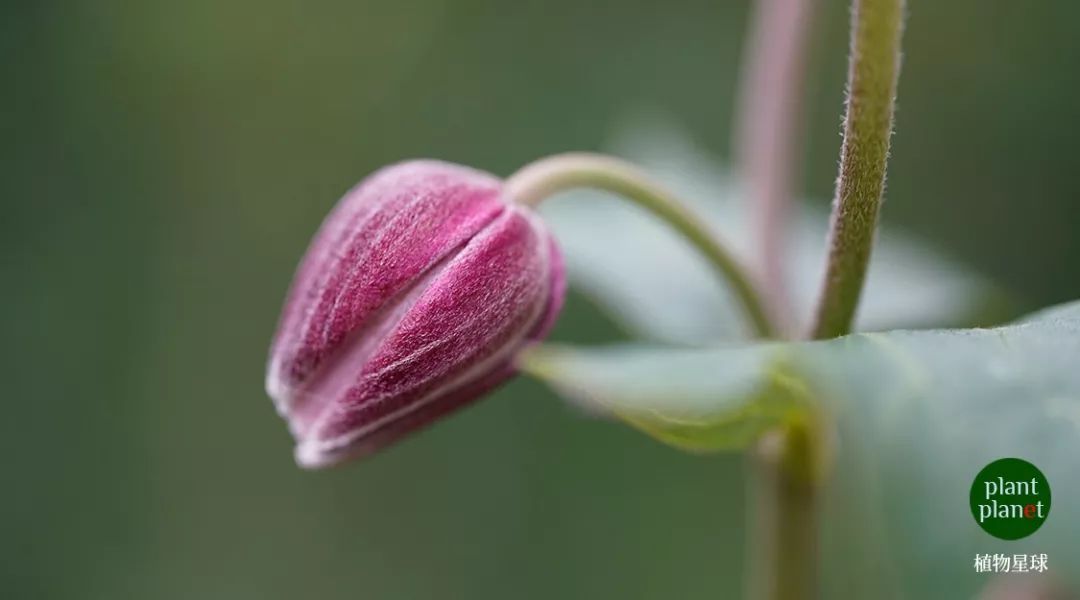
point(164, 164)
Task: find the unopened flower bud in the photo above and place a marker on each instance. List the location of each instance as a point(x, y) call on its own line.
point(413, 299)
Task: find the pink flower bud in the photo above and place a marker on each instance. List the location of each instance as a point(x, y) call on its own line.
point(414, 297)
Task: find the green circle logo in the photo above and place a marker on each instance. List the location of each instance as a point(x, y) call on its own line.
point(1010, 498)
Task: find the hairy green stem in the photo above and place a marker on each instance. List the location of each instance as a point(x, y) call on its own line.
point(872, 74)
point(554, 174)
point(767, 134)
point(783, 534)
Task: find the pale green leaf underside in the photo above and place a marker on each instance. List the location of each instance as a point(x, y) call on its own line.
point(698, 400)
point(711, 389)
point(658, 288)
point(918, 413)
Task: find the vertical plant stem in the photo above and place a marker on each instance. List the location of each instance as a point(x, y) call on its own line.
point(783, 532)
point(768, 132)
point(872, 74)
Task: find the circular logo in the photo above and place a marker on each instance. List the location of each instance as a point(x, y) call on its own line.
point(1010, 498)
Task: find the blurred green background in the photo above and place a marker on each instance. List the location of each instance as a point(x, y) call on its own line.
point(165, 164)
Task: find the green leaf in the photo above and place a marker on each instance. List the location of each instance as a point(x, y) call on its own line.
point(917, 413)
point(698, 400)
point(658, 288)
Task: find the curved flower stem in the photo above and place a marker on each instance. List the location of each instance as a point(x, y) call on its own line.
point(767, 133)
point(548, 176)
point(872, 73)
